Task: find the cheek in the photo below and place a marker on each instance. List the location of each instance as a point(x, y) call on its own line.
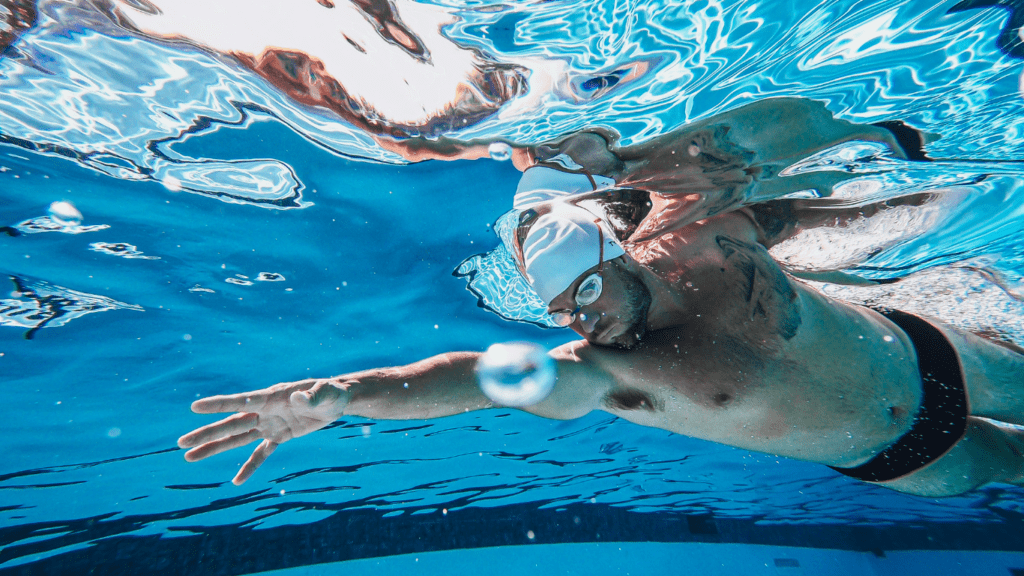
point(614, 302)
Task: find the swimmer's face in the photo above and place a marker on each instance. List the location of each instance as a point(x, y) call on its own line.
point(619, 317)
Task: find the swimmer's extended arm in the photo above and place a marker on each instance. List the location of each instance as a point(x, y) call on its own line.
point(418, 149)
point(443, 385)
point(435, 387)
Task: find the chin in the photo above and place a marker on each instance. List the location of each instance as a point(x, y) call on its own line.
point(628, 339)
point(631, 338)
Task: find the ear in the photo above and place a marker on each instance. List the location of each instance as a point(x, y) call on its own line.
point(627, 263)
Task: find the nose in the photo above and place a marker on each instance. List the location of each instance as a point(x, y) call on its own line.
point(589, 321)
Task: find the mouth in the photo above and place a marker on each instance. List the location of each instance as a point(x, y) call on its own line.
point(600, 333)
point(608, 335)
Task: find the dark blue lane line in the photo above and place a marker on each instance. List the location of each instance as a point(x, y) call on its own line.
point(355, 534)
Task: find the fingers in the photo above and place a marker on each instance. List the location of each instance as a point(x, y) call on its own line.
point(230, 426)
point(210, 448)
point(216, 404)
point(229, 403)
point(259, 456)
point(246, 401)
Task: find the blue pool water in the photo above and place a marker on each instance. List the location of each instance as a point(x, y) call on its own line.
point(236, 235)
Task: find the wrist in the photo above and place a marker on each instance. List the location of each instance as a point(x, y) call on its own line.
point(345, 390)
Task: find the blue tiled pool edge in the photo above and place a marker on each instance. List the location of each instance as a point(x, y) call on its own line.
point(361, 534)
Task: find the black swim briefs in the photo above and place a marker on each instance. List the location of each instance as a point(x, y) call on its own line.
point(942, 419)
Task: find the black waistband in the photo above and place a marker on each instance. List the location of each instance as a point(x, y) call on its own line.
point(942, 419)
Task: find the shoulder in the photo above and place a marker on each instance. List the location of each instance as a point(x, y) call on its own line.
point(693, 242)
point(585, 375)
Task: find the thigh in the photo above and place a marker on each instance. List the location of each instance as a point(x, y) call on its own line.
point(993, 375)
point(988, 452)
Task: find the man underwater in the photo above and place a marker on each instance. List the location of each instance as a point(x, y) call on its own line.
point(690, 326)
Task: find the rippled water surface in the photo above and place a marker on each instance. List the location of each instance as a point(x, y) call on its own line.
point(245, 221)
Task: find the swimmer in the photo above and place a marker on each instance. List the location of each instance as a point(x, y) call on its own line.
point(688, 325)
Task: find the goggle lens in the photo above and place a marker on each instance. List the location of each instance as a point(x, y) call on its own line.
point(563, 318)
point(589, 291)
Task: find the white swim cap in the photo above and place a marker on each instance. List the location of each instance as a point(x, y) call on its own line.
point(561, 245)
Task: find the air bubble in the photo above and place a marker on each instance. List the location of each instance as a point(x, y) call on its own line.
point(114, 432)
point(516, 373)
point(499, 151)
point(65, 214)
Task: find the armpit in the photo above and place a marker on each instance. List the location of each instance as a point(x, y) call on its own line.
point(631, 399)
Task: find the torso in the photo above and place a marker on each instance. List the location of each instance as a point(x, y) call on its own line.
point(752, 358)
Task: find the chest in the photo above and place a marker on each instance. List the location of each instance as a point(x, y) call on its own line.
point(798, 397)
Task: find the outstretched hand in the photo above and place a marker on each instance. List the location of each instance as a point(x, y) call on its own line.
point(276, 414)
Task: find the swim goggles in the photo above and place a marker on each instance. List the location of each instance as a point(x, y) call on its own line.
point(588, 291)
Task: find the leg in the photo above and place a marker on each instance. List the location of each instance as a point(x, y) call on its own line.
point(988, 452)
point(783, 219)
point(994, 376)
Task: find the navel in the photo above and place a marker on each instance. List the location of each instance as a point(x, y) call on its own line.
point(898, 416)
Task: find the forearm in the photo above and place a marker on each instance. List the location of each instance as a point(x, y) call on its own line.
point(439, 386)
point(418, 149)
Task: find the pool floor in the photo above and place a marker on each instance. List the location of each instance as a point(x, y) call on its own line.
point(699, 559)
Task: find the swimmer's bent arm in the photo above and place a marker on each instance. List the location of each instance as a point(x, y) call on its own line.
point(443, 385)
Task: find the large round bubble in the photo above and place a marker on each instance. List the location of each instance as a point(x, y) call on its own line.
point(65, 214)
point(516, 374)
point(499, 151)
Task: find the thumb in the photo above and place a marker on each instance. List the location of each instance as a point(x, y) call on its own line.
point(323, 392)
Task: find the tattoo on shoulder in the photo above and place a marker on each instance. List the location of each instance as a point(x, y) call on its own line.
point(769, 295)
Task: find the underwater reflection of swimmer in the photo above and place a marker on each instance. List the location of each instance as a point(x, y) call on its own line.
point(325, 54)
point(332, 54)
point(689, 325)
point(16, 16)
